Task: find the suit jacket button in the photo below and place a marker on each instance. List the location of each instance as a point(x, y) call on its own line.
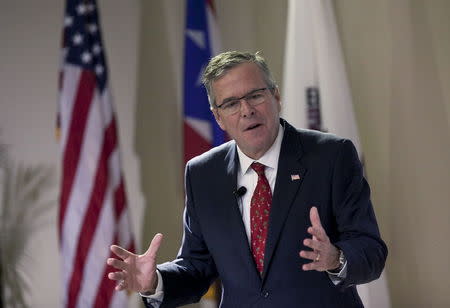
point(265, 294)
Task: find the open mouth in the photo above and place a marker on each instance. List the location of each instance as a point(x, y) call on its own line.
point(252, 127)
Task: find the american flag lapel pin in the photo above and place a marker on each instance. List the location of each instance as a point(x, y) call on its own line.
point(295, 177)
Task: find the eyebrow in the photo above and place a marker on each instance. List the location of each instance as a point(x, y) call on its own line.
point(232, 98)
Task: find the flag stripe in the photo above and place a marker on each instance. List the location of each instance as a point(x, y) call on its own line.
point(92, 278)
point(104, 295)
point(71, 75)
point(119, 199)
point(82, 103)
point(92, 214)
point(125, 237)
point(93, 285)
point(197, 144)
point(82, 187)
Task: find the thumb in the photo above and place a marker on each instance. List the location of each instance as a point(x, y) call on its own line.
point(154, 246)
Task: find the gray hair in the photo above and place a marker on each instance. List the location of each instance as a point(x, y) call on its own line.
point(222, 63)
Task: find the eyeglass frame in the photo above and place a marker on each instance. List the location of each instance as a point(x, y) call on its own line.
point(246, 97)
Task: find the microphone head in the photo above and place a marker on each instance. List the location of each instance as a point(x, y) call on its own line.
point(240, 191)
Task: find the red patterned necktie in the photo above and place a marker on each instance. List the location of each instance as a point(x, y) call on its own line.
point(259, 215)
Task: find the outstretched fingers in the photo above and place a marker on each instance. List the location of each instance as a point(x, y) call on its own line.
point(313, 244)
point(316, 230)
point(316, 266)
point(121, 252)
point(154, 246)
point(320, 245)
point(117, 276)
point(311, 255)
point(117, 264)
point(318, 234)
point(314, 217)
point(135, 272)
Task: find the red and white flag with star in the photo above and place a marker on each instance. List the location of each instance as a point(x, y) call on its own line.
point(93, 210)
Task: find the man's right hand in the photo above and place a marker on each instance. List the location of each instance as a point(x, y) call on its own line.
point(136, 273)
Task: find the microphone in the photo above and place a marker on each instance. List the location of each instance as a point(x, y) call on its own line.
point(240, 192)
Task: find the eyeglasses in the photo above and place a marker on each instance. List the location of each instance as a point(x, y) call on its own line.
point(253, 98)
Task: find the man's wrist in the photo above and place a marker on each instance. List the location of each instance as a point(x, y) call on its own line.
point(152, 290)
point(340, 262)
point(157, 294)
point(148, 293)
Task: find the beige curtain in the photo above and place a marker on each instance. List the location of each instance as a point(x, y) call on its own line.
point(398, 55)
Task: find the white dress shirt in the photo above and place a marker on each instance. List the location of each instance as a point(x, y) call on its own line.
point(248, 178)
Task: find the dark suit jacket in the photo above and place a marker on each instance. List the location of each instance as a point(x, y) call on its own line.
point(215, 243)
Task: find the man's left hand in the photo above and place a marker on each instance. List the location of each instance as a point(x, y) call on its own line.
point(325, 256)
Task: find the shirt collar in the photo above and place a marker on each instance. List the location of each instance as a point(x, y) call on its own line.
point(269, 159)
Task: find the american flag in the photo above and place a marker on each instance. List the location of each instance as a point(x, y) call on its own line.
point(93, 208)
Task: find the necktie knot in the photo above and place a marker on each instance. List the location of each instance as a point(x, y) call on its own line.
point(259, 168)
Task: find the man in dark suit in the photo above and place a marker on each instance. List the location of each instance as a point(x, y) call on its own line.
point(282, 216)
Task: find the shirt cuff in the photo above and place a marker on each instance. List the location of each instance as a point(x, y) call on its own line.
point(156, 298)
point(338, 277)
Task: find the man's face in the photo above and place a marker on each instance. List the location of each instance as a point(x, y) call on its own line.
point(254, 128)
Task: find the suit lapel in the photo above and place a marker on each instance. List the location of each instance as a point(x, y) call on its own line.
point(233, 215)
point(290, 175)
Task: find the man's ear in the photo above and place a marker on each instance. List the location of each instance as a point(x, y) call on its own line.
point(276, 94)
point(217, 117)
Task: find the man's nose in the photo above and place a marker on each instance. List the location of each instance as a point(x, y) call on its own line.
point(246, 108)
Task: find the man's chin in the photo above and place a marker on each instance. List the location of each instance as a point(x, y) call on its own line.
point(254, 150)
